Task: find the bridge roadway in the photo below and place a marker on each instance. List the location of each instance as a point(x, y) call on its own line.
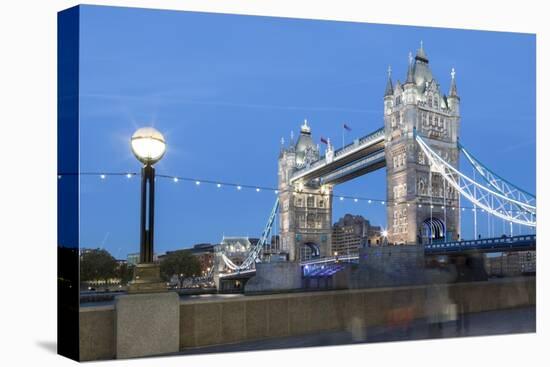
point(369, 163)
point(363, 155)
point(483, 245)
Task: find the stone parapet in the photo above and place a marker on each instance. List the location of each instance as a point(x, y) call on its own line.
point(217, 320)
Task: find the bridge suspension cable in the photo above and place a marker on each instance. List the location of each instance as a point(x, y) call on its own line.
point(500, 184)
point(254, 253)
point(486, 198)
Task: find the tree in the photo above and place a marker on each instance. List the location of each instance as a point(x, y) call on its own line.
point(97, 264)
point(125, 273)
point(181, 263)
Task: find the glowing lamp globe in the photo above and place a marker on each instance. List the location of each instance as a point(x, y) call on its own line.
point(148, 145)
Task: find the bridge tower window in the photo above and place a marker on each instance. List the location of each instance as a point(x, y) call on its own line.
point(319, 221)
point(301, 221)
point(311, 220)
point(421, 158)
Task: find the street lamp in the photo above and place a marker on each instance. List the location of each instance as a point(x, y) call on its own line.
point(149, 146)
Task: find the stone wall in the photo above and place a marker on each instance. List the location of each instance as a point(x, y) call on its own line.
point(275, 276)
point(220, 321)
point(97, 333)
point(390, 266)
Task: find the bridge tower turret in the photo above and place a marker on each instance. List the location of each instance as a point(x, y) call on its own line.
point(421, 207)
point(453, 100)
point(305, 208)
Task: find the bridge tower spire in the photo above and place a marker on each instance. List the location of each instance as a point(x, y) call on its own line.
point(389, 84)
point(410, 70)
point(419, 205)
point(453, 99)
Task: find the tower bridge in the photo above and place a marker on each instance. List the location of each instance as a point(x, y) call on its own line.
point(418, 145)
point(416, 196)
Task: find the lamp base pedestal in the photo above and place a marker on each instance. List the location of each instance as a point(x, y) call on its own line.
point(147, 324)
point(147, 279)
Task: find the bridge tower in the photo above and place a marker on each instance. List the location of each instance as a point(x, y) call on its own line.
point(305, 208)
point(422, 208)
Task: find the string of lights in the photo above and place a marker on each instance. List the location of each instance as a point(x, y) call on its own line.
point(256, 188)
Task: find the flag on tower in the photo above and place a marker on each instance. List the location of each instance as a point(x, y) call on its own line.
point(347, 127)
point(324, 141)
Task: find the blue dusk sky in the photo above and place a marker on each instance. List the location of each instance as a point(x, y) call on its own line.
point(224, 89)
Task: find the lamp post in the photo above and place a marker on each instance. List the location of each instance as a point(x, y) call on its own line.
point(149, 146)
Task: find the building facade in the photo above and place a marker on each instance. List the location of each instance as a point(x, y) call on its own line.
point(511, 264)
point(305, 209)
point(421, 207)
point(351, 233)
point(204, 252)
point(528, 262)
